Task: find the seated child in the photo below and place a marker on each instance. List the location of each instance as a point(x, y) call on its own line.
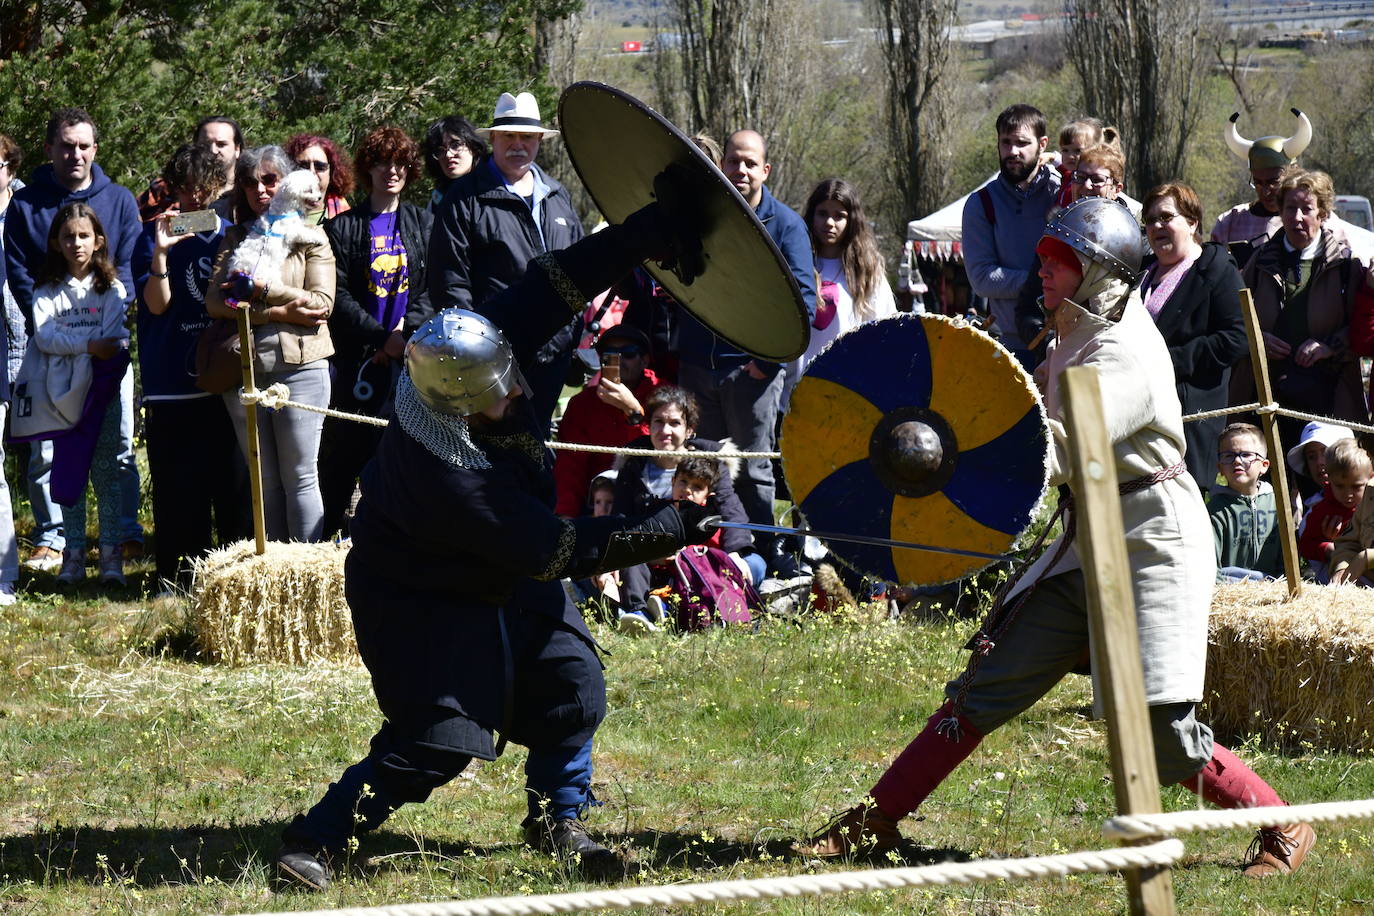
point(1348, 468)
point(1308, 461)
point(695, 479)
point(600, 499)
point(1243, 511)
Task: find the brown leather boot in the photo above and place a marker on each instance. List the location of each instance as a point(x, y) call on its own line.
point(1278, 850)
point(862, 830)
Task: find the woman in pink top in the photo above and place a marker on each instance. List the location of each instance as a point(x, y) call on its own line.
point(1192, 290)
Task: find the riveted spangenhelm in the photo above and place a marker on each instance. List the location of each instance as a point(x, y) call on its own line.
point(1104, 232)
point(460, 363)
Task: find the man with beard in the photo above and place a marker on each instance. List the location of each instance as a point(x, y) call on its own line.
point(1004, 219)
point(493, 221)
point(452, 579)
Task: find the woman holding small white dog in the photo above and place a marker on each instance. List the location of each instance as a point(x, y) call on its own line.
point(289, 313)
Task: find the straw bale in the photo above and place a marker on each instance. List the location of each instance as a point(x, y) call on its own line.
point(1300, 674)
point(284, 606)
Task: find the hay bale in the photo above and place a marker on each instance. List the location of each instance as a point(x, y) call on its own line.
point(284, 606)
point(1298, 673)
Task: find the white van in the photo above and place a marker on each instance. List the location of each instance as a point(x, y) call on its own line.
point(1356, 210)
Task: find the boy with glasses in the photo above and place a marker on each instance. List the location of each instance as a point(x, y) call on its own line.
point(1244, 515)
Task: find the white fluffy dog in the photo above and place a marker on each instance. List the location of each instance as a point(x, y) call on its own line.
point(272, 236)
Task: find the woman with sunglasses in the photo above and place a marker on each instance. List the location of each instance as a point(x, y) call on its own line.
point(291, 344)
point(1192, 292)
point(321, 156)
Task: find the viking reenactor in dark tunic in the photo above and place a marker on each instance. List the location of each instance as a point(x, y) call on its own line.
point(453, 577)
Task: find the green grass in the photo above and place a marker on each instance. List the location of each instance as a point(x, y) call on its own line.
point(138, 780)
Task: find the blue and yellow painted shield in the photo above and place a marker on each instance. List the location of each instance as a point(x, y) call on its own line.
point(916, 428)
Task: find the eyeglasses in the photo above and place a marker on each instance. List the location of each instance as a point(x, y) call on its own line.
point(1093, 181)
point(269, 180)
point(1246, 458)
point(314, 164)
point(1162, 219)
point(457, 146)
point(4, 163)
point(629, 351)
point(1270, 184)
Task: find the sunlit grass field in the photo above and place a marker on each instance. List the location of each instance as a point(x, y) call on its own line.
point(139, 779)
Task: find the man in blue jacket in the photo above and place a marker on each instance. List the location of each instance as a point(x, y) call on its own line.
point(1004, 219)
point(739, 396)
point(71, 175)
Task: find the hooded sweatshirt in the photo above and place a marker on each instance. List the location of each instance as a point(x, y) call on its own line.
point(1246, 533)
point(30, 216)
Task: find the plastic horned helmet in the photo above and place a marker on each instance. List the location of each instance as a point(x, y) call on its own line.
point(460, 363)
point(1270, 152)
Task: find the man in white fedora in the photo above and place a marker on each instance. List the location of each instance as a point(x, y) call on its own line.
point(492, 221)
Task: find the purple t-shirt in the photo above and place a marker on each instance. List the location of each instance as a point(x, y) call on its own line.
point(388, 283)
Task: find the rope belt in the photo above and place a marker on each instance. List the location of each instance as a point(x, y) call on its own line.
point(1000, 617)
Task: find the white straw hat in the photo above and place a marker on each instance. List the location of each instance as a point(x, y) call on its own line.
point(518, 114)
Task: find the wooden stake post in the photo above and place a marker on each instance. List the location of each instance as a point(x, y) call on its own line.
point(1278, 470)
point(251, 429)
point(1112, 621)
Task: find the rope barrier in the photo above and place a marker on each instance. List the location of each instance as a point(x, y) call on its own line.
point(1208, 414)
point(277, 396)
point(1163, 853)
point(1143, 826)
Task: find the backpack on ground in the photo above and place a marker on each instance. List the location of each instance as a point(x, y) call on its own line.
point(710, 589)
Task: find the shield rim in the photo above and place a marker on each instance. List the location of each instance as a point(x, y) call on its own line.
point(666, 278)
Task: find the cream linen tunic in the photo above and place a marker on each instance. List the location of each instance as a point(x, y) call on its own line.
point(1168, 536)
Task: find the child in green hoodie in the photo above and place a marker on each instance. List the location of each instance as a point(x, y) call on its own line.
point(1244, 516)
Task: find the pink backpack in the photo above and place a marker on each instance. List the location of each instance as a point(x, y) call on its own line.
point(710, 588)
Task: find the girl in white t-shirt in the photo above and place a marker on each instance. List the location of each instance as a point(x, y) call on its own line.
point(80, 308)
point(852, 285)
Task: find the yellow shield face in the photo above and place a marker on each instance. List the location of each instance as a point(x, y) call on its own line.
point(922, 429)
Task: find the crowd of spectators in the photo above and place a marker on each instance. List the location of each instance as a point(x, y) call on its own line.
point(334, 330)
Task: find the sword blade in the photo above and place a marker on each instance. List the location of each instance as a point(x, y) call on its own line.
point(717, 522)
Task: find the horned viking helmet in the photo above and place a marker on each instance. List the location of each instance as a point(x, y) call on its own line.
point(1270, 152)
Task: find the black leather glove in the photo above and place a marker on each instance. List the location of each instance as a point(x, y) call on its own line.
point(692, 515)
point(614, 542)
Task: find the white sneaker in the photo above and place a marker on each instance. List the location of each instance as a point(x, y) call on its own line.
point(112, 565)
point(7, 595)
point(73, 567)
point(654, 610)
point(44, 558)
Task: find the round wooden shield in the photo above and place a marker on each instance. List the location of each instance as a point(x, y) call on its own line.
point(922, 429)
point(745, 293)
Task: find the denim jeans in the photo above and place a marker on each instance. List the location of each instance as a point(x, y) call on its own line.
point(734, 404)
point(104, 477)
point(9, 545)
point(47, 515)
point(289, 447)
